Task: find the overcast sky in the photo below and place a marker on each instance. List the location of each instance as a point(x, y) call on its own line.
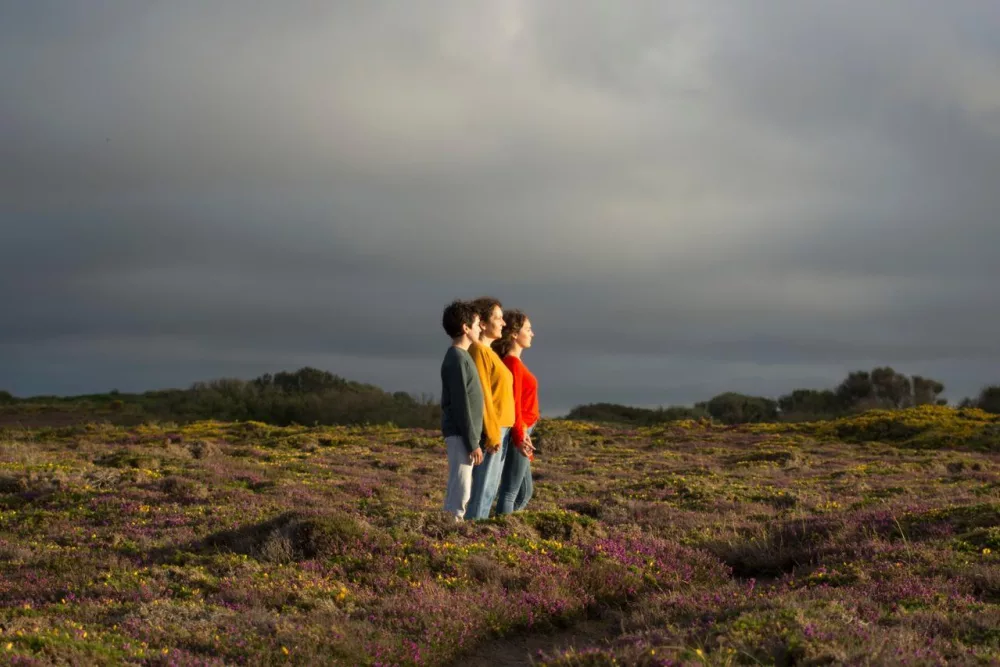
point(686, 197)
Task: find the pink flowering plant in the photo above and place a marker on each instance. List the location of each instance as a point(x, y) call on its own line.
point(212, 543)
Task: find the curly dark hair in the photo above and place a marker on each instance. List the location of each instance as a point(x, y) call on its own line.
point(484, 305)
point(513, 323)
point(456, 314)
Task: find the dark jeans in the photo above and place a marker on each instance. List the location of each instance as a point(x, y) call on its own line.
point(516, 486)
point(486, 479)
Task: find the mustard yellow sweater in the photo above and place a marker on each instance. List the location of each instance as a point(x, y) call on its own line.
point(498, 393)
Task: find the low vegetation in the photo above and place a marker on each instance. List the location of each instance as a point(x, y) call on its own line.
point(316, 397)
point(306, 396)
point(868, 539)
point(861, 391)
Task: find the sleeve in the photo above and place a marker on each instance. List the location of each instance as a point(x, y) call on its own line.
point(472, 415)
point(491, 425)
point(518, 373)
point(458, 399)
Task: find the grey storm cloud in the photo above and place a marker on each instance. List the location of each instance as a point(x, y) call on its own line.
point(686, 197)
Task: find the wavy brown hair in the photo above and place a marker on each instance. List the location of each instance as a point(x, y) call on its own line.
point(513, 323)
point(484, 305)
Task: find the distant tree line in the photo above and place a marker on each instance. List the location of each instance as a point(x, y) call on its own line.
point(881, 387)
point(625, 414)
point(307, 396)
point(311, 396)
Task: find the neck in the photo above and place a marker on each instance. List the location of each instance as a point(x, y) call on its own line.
point(515, 351)
point(462, 343)
point(486, 340)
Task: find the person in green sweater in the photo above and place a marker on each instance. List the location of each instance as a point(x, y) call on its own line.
point(461, 405)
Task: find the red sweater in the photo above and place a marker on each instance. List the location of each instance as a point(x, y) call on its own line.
point(525, 397)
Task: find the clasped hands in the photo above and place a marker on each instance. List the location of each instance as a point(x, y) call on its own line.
point(526, 447)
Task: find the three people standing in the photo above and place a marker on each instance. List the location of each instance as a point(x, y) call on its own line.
point(508, 396)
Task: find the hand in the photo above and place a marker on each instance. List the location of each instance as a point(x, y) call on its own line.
point(526, 446)
point(477, 456)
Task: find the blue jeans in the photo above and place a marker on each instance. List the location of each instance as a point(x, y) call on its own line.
point(486, 479)
point(516, 486)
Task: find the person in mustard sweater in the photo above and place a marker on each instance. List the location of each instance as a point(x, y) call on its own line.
point(498, 408)
point(516, 486)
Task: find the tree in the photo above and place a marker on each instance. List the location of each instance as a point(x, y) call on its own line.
point(810, 403)
point(307, 381)
point(883, 387)
point(926, 391)
point(624, 414)
point(892, 389)
point(734, 408)
point(855, 388)
point(989, 399)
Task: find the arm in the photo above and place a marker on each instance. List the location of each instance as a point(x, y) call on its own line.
point(460, 406)
point(472, 410)
point(518, 374)
point(490, 424)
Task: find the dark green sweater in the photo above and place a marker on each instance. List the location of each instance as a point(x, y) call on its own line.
point(461, 398)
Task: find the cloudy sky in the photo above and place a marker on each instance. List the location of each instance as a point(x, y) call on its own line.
point(685, 196)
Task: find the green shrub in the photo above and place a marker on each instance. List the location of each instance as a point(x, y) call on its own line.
point(624, 414)
point(989, 399)
point(733, 408)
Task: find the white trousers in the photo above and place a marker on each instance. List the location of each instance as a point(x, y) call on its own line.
point(459, 477)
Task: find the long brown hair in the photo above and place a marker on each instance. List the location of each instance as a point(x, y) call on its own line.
point(513, 323)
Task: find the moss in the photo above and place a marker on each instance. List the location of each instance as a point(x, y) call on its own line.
point(957, 519)
point(129, 459)
point(923, 427)
point(782, 457)
point(559, 524)
point(12, 484)
point(979, 539)
point(183, 488)
point(770, 636)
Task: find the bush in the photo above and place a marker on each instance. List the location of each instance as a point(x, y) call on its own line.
point(989, 399)
point(810, 404)
point(733, 408)
point(307, 396)
point(924, 427)
point(550, 439)
point(624, 414)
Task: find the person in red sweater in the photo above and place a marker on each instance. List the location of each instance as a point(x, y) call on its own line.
point(515, 482)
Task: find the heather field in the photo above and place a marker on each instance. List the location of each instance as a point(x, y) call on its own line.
point(868, 540)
